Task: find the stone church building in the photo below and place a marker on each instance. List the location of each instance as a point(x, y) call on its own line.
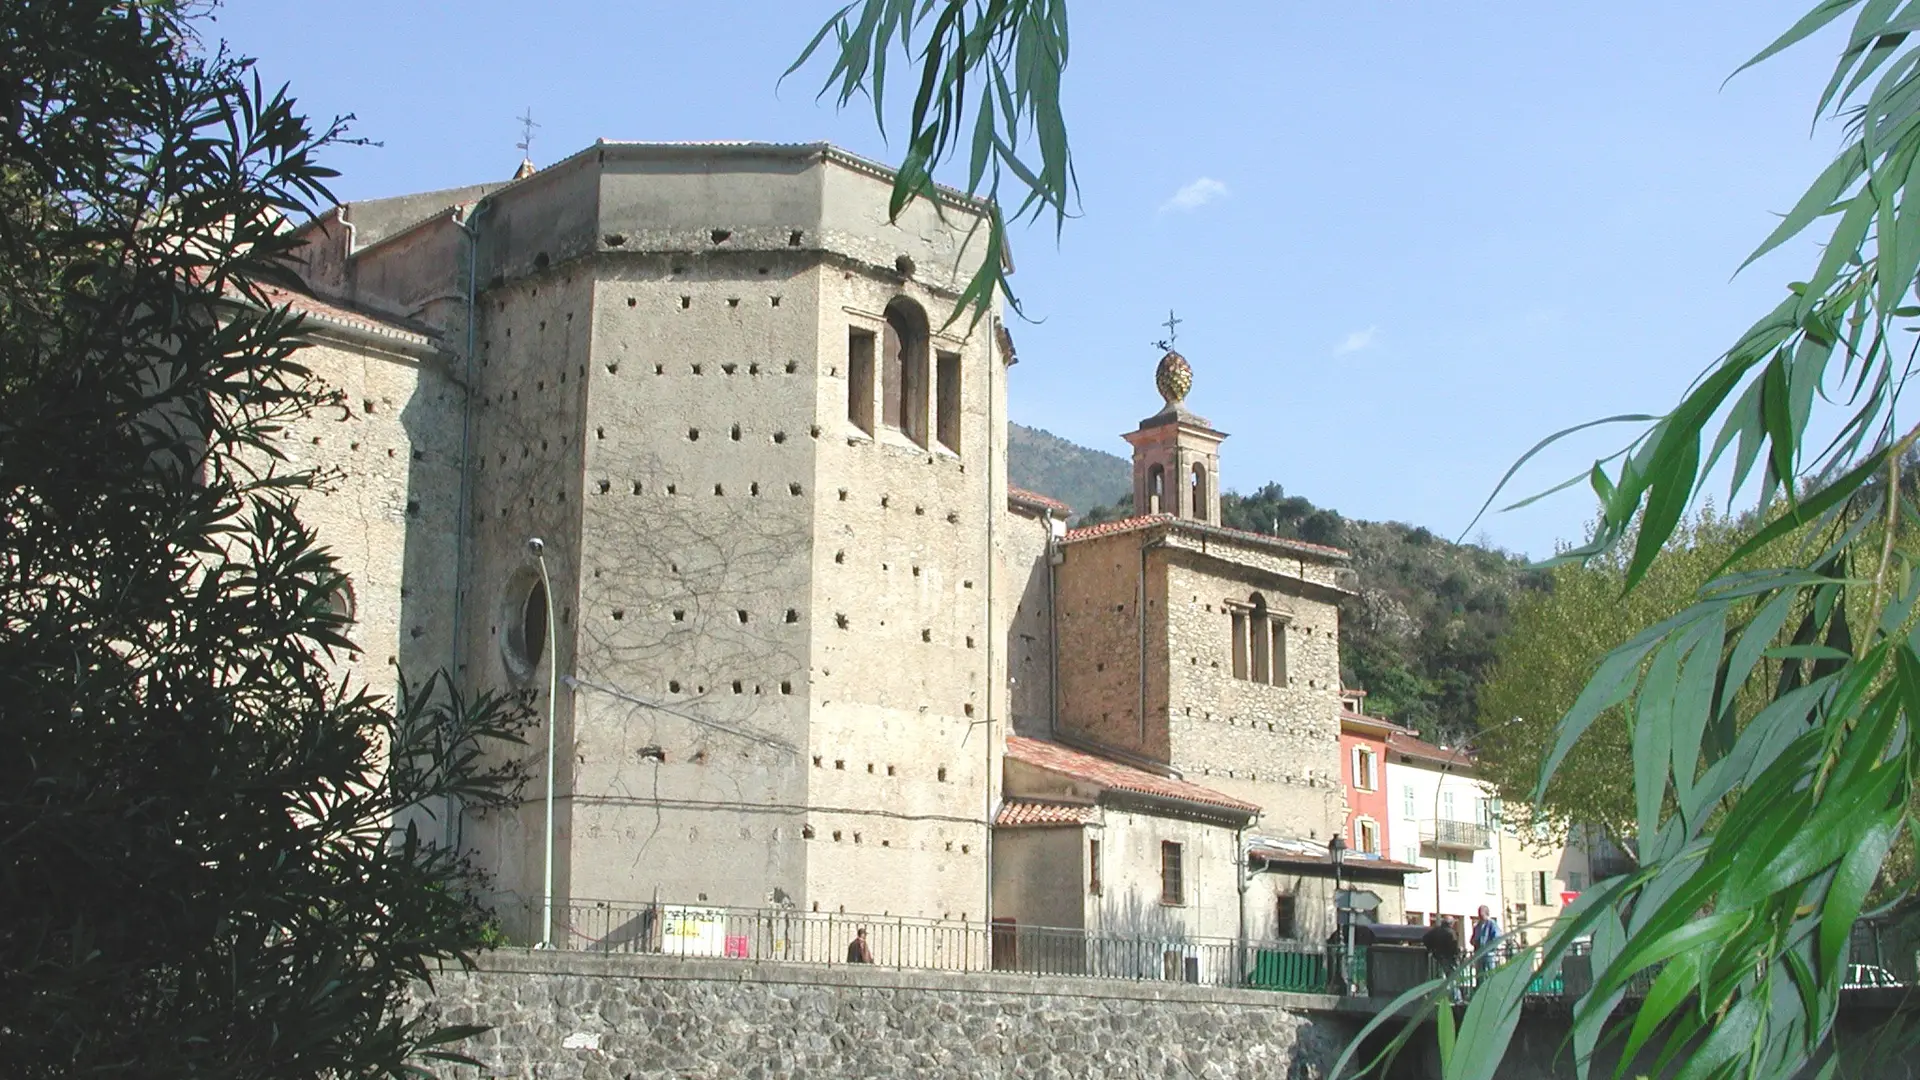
point(808, 649)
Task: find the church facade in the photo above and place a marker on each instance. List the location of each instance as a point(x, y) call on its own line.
point(801, 645)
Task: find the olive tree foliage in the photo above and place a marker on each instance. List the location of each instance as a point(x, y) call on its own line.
point(1759, 843)
point(199, 868)
point(1555, 640)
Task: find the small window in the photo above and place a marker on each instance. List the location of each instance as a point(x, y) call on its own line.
point(860, 379)
point(1199, 492)
point(1363, 777)
point(1576, 881)
point(1407, 806)
point(1239, 645)
point(1156, 488)
point(1286, 917)
point(1451, 879)
point(1492, 878)
point(341, 603)
point(1279, 653)
point(1540, 888)
point(1093, 867)
point(1172, 887)
point(947, 399)
point(1366, 836)
point(1415, 918)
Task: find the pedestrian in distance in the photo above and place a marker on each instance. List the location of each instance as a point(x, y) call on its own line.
point(858, 951)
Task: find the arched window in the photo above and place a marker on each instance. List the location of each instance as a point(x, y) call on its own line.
point(1257, 618)
point(903, 370)
point(1199, 492)
point(1156, 488)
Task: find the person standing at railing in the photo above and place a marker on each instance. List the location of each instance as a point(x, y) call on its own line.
point(858, 951)
point(1443, 948)
point(1486, 933)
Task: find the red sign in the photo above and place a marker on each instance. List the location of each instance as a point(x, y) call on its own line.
point(1567, 898)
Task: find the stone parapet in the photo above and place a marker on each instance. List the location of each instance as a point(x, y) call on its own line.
point(576, 1016)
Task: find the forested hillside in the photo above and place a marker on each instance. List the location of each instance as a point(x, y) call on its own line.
point(1044, 462)
point(1419, 636)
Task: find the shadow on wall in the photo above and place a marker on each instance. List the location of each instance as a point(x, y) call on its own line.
point(1134, 916)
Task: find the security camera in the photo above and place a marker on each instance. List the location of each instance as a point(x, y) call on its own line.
point(535, 546)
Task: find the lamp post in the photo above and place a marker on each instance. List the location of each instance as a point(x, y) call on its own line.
point(1337, 850)
point(537, 548)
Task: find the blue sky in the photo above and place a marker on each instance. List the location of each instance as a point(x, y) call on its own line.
point(1408, 239)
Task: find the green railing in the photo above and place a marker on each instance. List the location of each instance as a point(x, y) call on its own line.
point(1299, 972)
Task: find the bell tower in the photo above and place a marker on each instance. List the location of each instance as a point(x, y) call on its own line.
point(1176, 453)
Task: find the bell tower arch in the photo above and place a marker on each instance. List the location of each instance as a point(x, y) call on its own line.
point(1176, 453)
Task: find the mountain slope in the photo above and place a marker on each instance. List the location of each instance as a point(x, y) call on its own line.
point(1044, 462)
point(1419, 636)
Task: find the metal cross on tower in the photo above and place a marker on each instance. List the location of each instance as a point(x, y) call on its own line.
point(1173, 332)
point(525, 145)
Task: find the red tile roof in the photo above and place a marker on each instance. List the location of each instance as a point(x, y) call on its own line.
point(1415, 747)
point(1018, 812)
point(1375, 723)
point(1034, 498)
point(1111, 774)
point(1148, 521)
point(318, 309)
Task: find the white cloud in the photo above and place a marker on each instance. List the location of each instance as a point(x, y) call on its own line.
point(1357, 341)
point(1195, 195)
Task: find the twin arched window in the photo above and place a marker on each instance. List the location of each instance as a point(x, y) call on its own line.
point(911, 379)
point(1259, 642)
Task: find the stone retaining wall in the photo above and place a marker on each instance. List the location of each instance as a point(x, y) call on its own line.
point(577, 1016)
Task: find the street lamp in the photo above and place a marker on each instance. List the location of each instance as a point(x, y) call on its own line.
point(1337, 850)
point(537, 548)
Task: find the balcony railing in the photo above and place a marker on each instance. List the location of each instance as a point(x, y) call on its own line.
point(1456, 835)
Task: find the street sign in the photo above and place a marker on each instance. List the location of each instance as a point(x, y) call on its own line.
point(1356, 900)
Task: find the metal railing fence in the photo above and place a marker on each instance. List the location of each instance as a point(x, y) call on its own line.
point(1880, 956)
point(782, 935)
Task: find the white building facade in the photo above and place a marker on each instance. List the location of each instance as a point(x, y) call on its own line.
point(1442, 817)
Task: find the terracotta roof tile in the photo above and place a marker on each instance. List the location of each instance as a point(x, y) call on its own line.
point(1148, 521)
point(1111, 774)
point(1034, 498)
point(1415, 747)
point(319, 309)
point(1016, 813)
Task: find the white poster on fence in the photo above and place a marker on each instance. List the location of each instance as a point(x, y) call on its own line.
point(693, 931)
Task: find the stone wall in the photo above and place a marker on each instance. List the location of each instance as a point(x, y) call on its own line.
point(1276, 746)
point(573, 1016)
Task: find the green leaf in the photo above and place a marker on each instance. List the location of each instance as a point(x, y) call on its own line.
point(1824, 499)
point(1492, 1015)
point(1653, 734)
point(1823, 13)
point(1819, 198)
point(1621, 418)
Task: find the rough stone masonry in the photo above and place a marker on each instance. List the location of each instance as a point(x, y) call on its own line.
point(574, 1016)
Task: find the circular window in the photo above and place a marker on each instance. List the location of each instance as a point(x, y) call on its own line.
point(341, 603)
point(523, 612)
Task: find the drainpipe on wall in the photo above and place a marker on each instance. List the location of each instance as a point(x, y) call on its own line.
point(1055, 554)
point(994, 685)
